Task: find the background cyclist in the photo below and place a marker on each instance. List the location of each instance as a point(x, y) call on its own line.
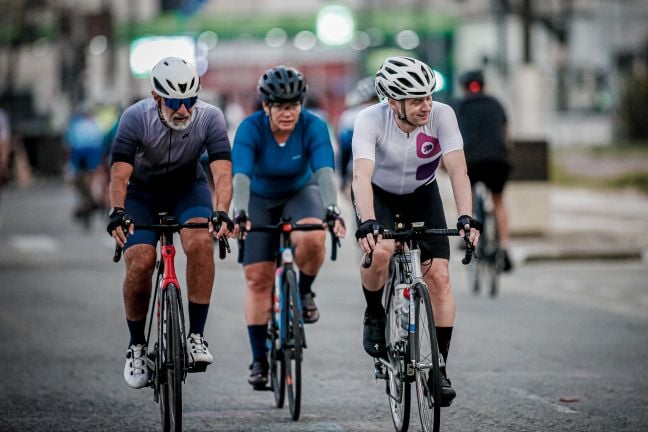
point(283, 166)
point(155, 167)
point(360, 97)
point(397, 148)
point(483, 124)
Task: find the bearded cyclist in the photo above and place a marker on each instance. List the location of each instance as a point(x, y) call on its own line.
point(397, 148)
point(154, 168)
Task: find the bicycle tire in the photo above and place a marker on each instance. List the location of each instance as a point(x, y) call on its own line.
point(293, 351)
point(277, 370)
point(426, 356)
point(173, 360)
point(398, 386)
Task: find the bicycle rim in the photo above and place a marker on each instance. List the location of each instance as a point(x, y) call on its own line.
point(293, 351)
point(426, 355)
point(173, 361)
point(277, 371)
point(398, 388)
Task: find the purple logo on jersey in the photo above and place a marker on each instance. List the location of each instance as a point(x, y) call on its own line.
point(427, 147)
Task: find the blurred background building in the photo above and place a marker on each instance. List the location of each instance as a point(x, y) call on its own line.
point(560, 66)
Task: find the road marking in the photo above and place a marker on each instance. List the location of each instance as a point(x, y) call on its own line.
point(27, 243)
point(543, 400)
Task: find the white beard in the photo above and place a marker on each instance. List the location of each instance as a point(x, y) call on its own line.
point(176, 125)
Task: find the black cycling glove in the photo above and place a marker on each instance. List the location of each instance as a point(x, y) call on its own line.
point(370, 226)
point(218, 217)
point(241, 219)
point(118, 218)
point(467, 220)
point(333, 214)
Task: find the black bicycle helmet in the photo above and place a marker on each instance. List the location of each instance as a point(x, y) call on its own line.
point(472, 80)
point(282, 84)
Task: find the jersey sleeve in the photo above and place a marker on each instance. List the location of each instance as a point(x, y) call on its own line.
point(129, 135)
point(365, 135)
point(217, 142)
point(243, 150)
point(448, 133)
point(319, 142)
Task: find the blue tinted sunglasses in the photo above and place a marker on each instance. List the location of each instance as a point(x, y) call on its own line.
point(175, 104)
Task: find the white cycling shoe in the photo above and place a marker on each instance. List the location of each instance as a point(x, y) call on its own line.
point(198, 350)
point(136, 373)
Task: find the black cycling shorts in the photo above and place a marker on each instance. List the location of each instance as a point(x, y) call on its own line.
point(422, 205)
point(261, 246)
point(493, 174)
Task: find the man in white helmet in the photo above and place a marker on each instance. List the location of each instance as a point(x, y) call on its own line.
point(155, 166)
point(397, 148)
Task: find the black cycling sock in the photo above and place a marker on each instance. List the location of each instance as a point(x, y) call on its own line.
point(374, 300)
point(197, 317)
point(305, 283)
point(136, 329)
point(257, 334)
point(444, 334)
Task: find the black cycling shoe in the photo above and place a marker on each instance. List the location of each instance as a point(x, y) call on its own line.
point(447, 392)
point(373, 334)
point(309, 308)
point(507, 264)
point(258, 375)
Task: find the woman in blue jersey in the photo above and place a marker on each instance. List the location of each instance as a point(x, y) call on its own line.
point(283, 166)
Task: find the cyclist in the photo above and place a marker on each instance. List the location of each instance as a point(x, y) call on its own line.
point(155, 167)
point(362, 95)
point(397, 147)
point(84, 140)
point(483, 124)
point(283, 166)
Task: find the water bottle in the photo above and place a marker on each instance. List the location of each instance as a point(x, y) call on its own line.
point(275, 303)
point(402, 309)
point(405, 312)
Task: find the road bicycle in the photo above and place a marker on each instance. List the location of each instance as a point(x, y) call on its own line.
point(489, 262)
point(168, 361)
point(412, 353)
point(286, 338)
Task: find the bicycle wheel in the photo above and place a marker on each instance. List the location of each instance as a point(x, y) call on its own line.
point(293, 350)
point(277, 370)
point(173, 360)
point(426, 356)
point(398, 354)
point(492, 265)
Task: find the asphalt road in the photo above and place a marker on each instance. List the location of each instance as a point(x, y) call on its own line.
point(564, 348)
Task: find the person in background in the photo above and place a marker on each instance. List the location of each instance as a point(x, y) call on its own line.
point(84, 140)
point(359, 98)
point(483, 124)
point(283, 167)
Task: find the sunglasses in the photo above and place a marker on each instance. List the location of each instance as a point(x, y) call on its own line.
point(175, 104)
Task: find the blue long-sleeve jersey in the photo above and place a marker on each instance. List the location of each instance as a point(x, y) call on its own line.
point(278, 170)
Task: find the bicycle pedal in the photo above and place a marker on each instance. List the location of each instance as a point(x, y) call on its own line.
point(198, 367)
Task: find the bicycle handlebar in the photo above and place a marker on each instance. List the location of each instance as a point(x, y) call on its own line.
point(223, 244)
point(290, 227)
point(416, 233)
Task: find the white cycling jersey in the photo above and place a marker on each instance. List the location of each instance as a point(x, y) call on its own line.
point(404, 161)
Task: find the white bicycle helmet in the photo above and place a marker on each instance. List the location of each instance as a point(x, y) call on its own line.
point(174, 78)
point(404, 77)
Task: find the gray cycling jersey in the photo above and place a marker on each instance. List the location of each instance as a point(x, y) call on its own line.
point(161, 155)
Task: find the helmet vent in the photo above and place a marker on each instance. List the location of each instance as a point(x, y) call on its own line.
point(170, 84)
point(159, 87)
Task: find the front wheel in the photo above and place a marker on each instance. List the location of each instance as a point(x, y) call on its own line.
point(172, 360)
point(398, 386)
point(277, 368)
point(293, 351)
point(426, 357)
